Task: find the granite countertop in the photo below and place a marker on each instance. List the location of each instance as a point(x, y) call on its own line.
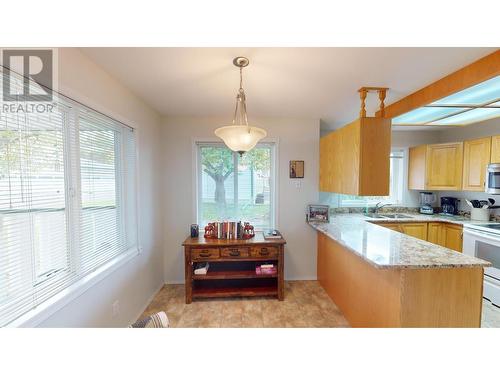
point(386, 248)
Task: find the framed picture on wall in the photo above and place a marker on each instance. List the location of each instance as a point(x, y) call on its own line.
point(296, 168)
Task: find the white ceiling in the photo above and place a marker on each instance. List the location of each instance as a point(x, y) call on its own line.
point(279, 82)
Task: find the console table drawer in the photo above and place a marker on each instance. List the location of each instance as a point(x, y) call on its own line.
point(204, 254)
point(235, 252)
point(264, 252)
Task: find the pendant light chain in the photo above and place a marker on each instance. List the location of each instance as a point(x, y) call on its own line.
point(241, 101)
point(240, 137)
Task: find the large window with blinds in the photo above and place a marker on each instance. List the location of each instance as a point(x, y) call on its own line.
point(67, 201)
point(233, 187)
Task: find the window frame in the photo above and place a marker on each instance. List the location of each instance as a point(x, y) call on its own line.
point(274, 180)
point(44, 310)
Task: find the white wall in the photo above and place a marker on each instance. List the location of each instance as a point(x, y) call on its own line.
point(137, 281)
point(298, 140)
point(481, 129)
point(410, 138)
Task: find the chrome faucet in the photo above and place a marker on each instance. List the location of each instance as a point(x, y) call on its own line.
point(378, 206)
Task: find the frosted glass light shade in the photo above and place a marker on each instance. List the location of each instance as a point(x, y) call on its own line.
point(240, 138)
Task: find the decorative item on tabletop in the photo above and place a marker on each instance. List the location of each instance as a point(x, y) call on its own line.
point(195, 230)
point(318, 213)
point(272, 234)
point(229, 230)
point(248, 231)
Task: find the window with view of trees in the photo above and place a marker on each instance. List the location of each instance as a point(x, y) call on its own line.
point(233, 187)
point(67, 201)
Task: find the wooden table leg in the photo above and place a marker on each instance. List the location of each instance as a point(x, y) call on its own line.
point(281, 275)
point(188, 275)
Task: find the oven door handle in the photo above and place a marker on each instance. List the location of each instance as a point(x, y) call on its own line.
point(482, 235)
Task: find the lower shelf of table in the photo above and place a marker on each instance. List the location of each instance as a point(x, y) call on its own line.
point(238, 274)
point(253, 291)
point(235, 287)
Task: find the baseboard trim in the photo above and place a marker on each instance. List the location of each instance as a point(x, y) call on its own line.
point(150, 299)
point(174, 282)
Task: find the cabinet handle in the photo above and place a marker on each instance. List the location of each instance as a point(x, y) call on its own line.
point(204, 255)
point(234, 252)
point(264, 251)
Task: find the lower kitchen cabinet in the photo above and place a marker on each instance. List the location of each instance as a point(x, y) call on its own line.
point(445, 234)
point(418, 230)
point(439, 233)
point(452, 236)
point(434, 233)
point(392, 226)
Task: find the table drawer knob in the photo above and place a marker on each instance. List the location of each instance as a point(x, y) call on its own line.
point(264, 251)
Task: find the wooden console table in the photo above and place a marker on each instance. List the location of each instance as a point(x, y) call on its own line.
point(232, 267)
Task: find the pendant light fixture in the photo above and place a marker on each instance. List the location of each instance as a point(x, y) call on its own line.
point(240, 136)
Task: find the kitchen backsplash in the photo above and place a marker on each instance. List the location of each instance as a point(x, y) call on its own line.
point(495, 214)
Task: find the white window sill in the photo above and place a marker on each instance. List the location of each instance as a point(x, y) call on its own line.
point(43, 311)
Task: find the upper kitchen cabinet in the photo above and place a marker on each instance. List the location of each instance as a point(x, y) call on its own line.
point(495, 149)
point(476, 158)
point(416, 167)
point(354, 159)
point(444, 166)
point(436, 167)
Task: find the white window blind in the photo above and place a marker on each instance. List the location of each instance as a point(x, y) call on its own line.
point(67, 201)
point(233, 187)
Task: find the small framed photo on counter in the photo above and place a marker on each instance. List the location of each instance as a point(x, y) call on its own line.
point(296, 168)
point(318, 213)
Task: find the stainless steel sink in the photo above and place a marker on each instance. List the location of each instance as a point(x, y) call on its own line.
point(374, 215)
point(395, 216)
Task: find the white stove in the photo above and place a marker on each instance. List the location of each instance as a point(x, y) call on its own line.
point(483, 241)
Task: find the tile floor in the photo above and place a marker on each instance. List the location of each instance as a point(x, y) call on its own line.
point(306, 304)
point(491, 315)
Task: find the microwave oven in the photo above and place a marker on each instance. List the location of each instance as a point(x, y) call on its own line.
point(493, 179)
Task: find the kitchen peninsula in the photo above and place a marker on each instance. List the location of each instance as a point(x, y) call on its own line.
point(380, 277)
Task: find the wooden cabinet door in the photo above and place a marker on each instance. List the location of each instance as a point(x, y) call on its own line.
point(417, 230)
point(434, 233)
point(324, 164)
point(330, 163)
point(495, 149)
point(392, 226)
point(452, 236)
point(444, 166)
point(477, 153)
point(416, 168)
point(350, 138)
